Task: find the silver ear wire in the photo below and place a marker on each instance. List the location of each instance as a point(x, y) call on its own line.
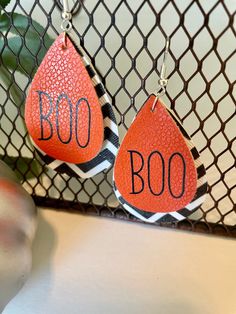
point(66, 6)
point(66, 24)
point(163, 81)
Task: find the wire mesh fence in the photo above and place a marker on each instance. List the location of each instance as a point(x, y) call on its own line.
point(125, 40)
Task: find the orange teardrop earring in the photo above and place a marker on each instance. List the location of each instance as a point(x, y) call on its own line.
point(68, 112)
point(158, 175)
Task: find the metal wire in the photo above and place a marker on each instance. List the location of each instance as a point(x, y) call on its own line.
point(74, 10)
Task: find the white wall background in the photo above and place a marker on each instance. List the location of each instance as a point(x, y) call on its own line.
point(91, 265)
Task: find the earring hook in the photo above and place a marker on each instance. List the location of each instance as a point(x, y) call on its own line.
point(66, 6)
point(163, 81)
point(66, 24)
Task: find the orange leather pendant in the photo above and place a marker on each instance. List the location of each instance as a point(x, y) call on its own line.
point(63, 114)
point(158, 170)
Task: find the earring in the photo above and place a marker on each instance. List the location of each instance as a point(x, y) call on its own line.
point(158, 175)
point(68, 112)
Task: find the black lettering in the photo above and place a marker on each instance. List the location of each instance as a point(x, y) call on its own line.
point(77, 122)
point(60, 97)
point(162, 176)
point(44, 118)
point(135, 173)
point(174, 155)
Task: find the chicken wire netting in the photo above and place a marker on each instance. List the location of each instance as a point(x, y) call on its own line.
point(125, 41)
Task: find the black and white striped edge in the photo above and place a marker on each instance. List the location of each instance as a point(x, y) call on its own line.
point(105, 159)
point(196, 202)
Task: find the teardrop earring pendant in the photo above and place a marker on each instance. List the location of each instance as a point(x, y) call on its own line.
point(158, 175)
point(68, 112)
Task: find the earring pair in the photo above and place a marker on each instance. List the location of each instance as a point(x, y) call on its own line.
point(158, 174)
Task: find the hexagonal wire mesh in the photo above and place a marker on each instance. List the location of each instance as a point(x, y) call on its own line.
point(125, 40)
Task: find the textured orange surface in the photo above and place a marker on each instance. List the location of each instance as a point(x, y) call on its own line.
point(62, 72)
point(155, 131)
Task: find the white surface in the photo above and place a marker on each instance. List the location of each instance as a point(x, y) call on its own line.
point(93, 265)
